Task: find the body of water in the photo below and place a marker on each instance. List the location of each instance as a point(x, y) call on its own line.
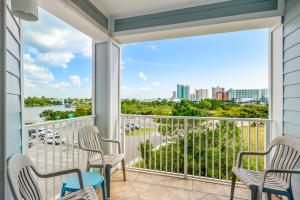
point(32, 114)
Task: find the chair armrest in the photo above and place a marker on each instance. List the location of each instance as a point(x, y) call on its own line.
point(60, 173)
point(245, 153)
point(96, 151)
point(112, 141)
point(282, 171)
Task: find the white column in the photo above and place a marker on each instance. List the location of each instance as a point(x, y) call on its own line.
point(276, 81)
point(107, 89)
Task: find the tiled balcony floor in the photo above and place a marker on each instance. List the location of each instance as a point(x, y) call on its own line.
point(142, 186)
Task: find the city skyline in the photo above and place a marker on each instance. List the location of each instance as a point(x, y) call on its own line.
point(232, 60)
point(63, 67)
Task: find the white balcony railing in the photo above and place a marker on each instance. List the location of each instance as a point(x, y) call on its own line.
point(54, 146)
point(192, 147)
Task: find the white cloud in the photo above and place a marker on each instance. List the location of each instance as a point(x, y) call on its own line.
point(59, 39)
point(147, 88)
point(27, 58)
point(153, 47)
point(75, 80)
point(86, 79)
point(155, 84)
point(60, 59)
point(60, 86)
point(126, 89)
point(142, 76)
point(37, 73)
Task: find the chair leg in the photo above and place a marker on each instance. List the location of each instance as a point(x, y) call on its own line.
point(269, 196)
point(254, 194)
point(107, 179)
point(124, 170)
point(232, 186)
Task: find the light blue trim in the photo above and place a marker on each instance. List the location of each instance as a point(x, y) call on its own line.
point(216, 10)
point(92, 11)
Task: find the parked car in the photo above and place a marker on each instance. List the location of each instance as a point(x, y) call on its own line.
point(131, 127)
point(41, 133)
point(32, 133)
point(56, 139)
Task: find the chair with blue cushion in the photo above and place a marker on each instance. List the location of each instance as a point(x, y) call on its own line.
point(90, 179)
point(90, 140)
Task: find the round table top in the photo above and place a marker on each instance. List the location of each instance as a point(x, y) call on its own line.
point(90, 179)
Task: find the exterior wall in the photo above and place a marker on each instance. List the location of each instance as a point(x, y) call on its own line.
point(11, 90)
point(291, 76)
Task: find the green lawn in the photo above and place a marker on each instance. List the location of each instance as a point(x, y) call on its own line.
point(141, 131)
point(260, 147)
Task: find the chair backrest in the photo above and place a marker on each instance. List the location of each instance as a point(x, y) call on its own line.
point(90, 137)
point(22, 183)
point(286, 155)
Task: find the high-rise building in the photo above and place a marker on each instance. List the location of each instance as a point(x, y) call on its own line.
point(248, 95)
point(183, 91)
point(193, 97)
point(201, 94)
point(174, 95)
point(222, 96)
point(215, 90)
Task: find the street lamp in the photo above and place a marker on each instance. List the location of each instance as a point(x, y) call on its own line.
point(25, 9)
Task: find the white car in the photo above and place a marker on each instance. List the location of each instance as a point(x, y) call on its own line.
point(56, 139)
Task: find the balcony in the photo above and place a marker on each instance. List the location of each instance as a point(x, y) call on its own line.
point(189, 157)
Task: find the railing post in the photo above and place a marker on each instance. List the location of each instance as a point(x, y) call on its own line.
point(185, 147)
point(123, 133)
point(267, 142)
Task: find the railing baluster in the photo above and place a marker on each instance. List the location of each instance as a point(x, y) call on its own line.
point(206, 148)
point(185, 147)
point(140, 143)
point(213, 149)
point(199, 123)
point(145, 159)
point(150, 143)
point(160, 147)
point(220, 135)
point(46, 165)
point(178, 138)
point(53, 159)
point(256, 158)
point(128, 138)
point(242, 137)
point(134, 144)
point(227, 149)
point(155, 143)
point(172, 158)
point(193, 147)
point(166, 145)
point(249, 147)
point(234, 142)
point(60, 148)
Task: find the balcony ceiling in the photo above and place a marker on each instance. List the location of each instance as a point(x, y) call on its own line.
point(128, 8)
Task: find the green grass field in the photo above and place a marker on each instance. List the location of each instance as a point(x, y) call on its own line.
point(141, 131)
point(254, 140)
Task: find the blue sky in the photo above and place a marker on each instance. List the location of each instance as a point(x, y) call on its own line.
point(231, 60)
point(58, 62)
point(57, 59)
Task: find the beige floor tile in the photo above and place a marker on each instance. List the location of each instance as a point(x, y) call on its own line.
point(118, 175)
point(121, 190)
point(241, 193)
point(178, 183)
point(210, 188)
point(142, 188)
point(149, 178)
